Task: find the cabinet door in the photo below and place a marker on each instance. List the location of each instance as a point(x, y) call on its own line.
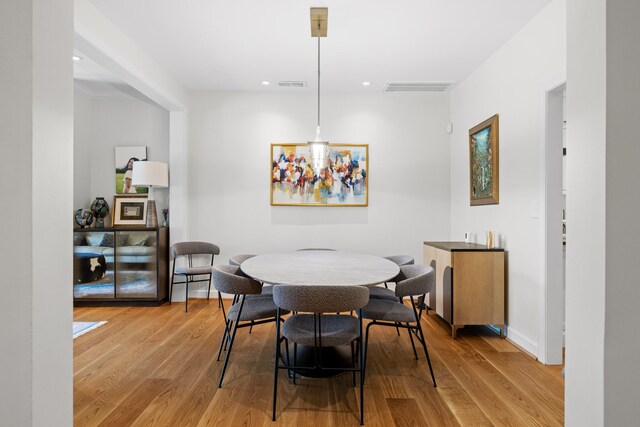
point(93, 274)
point(478, 280)
point(136, 264)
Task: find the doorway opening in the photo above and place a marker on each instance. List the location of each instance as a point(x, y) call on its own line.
point(553, 227)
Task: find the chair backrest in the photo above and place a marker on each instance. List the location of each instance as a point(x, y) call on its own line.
point(229, 279)
point(414, 280)
point(194, 248)
point(239, 259)
point(401, 259)
point(315, 249)
point(320, 299)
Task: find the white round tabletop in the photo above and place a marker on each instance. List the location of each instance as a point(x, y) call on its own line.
point(311, 267)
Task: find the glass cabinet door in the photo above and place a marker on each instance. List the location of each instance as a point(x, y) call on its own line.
point(93, 274)
point(136, 264)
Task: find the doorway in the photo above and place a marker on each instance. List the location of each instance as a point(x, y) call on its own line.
point(553, 227)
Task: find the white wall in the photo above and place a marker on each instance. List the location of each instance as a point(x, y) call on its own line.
point(36, 133)
point(511, 83)
point(621, 342)
point(229, 171)
point(586, 246)
point(112, 123)
point(82, 141)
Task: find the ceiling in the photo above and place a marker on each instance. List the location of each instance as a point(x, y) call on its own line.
point(95, 81)
point(235, 45)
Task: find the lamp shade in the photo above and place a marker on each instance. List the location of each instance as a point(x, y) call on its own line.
point(146, 174)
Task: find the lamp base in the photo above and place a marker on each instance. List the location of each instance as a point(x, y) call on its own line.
point(152, 214)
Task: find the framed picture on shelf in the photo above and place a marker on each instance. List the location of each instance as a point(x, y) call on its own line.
point(129, 210)
point(483, 163)
point(124, 159)
point(343, 182)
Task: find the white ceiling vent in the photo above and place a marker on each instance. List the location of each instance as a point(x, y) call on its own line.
point(415, 87)
point(292, 83)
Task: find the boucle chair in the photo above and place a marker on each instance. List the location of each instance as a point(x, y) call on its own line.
point(413, 280)
point(316, 249)
point(244, 312)
point(238, 259)
point(378, 292)
point(189, 249)
point(310, 327)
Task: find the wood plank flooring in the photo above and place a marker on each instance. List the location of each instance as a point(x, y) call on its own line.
point(156, 366)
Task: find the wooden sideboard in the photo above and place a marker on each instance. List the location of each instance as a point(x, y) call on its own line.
point(469, 287)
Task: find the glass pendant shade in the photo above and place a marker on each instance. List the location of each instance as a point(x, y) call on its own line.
point(319, 150)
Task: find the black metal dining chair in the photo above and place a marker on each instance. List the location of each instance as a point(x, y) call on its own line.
point(190, 272)
point(310, 326)
point(413, 280)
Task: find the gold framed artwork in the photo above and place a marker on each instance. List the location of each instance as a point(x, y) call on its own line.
point(483, 163)
point(345, 182)
point(129, 210)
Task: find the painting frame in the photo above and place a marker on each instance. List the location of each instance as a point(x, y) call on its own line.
point(122, 156)
point(129, 210)
point(485, 160)
point(332, 148)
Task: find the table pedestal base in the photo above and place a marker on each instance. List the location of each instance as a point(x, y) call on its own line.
point(329, 357)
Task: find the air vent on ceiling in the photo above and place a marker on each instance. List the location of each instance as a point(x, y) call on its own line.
point(292, 84)
point(415, 87)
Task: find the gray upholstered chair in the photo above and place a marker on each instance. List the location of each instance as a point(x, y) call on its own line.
point(310, 327)
point(239, 259)
point(378, 292)
point(413, 280)
point(244, 312)
point(189, 250)
point(315, 249)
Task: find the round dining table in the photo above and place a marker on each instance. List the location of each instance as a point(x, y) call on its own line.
point(320, 267)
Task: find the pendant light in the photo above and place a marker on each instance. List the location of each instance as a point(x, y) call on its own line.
point(318, 148)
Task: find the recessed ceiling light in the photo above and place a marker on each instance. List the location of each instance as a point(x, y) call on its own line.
point(366, 83)
point(77, 58)
point(266, 83)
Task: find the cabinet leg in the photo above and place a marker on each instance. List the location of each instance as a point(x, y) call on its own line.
point(454, 330)
point(502, 335)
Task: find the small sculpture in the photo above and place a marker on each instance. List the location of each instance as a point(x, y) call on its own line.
point(100, 209)
point(165, 212)
point(83, 217)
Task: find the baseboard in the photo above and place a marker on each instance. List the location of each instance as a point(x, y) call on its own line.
point(522, 342)
point(178, 295)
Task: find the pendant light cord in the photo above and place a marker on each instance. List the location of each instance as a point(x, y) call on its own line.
point(318, 74)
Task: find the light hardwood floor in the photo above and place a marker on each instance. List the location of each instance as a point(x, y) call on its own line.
point(156, 366)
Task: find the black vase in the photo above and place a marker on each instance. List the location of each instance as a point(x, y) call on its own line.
point(100, 209)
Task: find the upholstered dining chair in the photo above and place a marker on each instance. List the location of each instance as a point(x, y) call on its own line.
point(191, 250)
point(315, 249)
point(239, 259)
point(378, 292)
point(413, 280)
point(312, 328)
point(245, 312)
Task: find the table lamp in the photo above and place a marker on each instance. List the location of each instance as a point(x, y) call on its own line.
point(152, 175)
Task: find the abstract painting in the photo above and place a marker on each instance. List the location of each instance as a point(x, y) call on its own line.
point(343, 183)
point(483, 161)
point(124, 158)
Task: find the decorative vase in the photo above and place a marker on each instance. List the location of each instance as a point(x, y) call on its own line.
point(100, 209)
point(83, 217)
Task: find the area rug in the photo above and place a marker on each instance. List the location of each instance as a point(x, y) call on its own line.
point(81, 328)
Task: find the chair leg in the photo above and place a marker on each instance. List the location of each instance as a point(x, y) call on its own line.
point(353, 364)
point(221, 305)
point(227, 326)
point(186, 295)
point(275, 364)
point(426, 352)
point(415, 353)
point(233, 337)
point(251, 327)
point(209, 290)
point(171, 287)
point(295, 361)
point(361, 372)
point(397, 329)
point(363, 360)
point(226, 343)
